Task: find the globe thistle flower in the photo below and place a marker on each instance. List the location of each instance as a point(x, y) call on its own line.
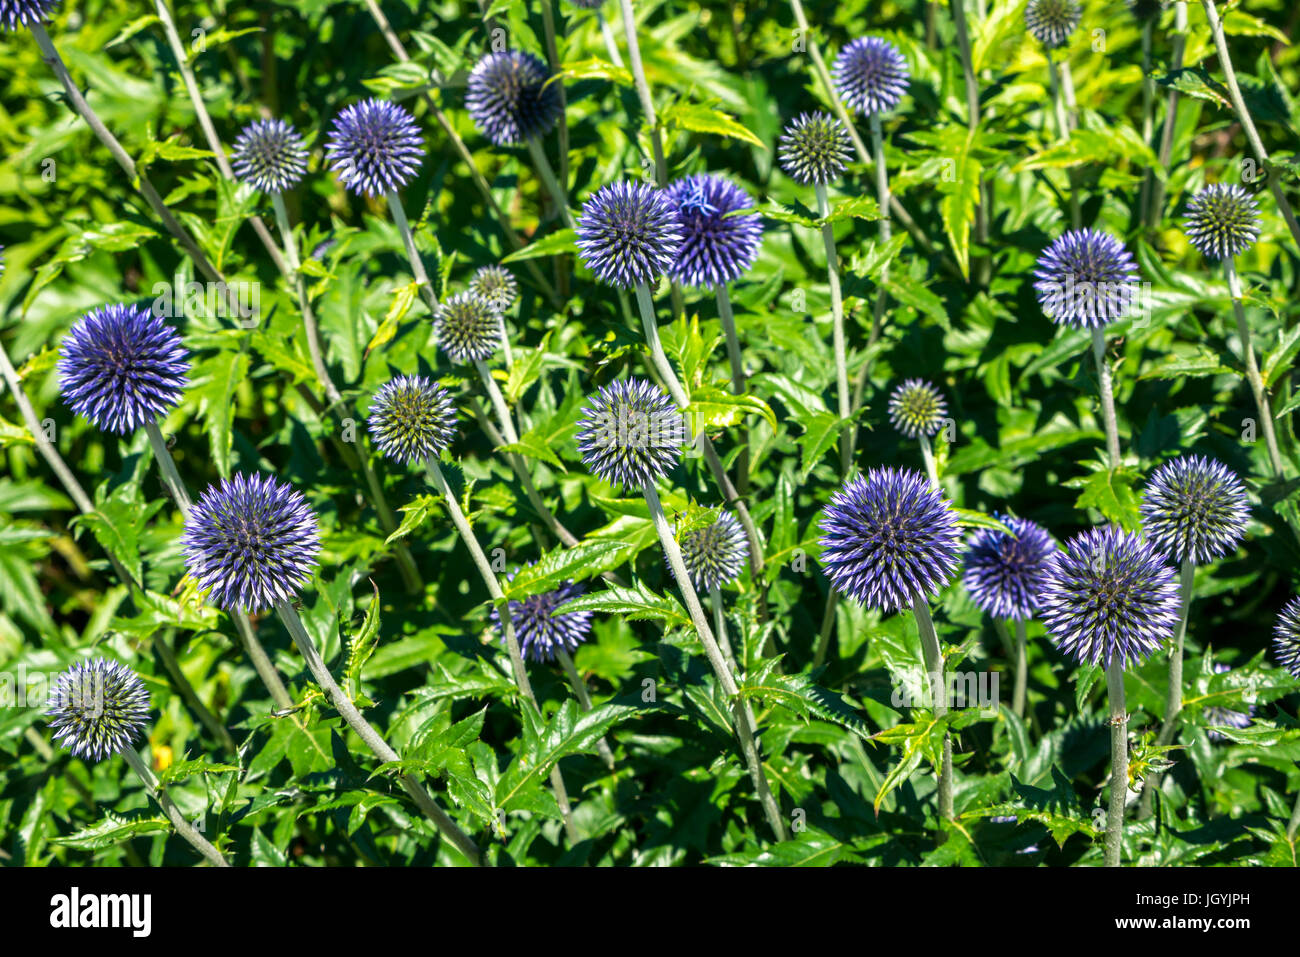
point(631, 433)
point(1004, 572)
point(814, 148)
point(251, 541)
point(541, 632)
point(628, 234)
point(1109, 595)
point(715, 554)
point(1286, 637)
point(1226, 717)
point(270, 156)
point(717, 248)
point(375, 147)
point(412, 418)
point(98, 708)
point(496, 286)
point(870, 75)
point(22, 13)
point(467, 327)
point(509, 99)
point(1052, 21)
point(1222, 221)
point(1085, 279)
point(917, 408)
point(120, 366)
point(1194, 508)
point(889, 538)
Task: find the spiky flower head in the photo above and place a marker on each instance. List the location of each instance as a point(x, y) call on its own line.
point(1052, 21)
point(270, 156)
point(1222, 221)
point(496, 286)
point(1109, 595)
point(467, 327)
point(22, 13)
point(375, 147)
point(509, 99)
point(628, 234)
point(1286, 637)
point(716, 553)
point(98, 708)
point(814, 148)
point(631, 433)
point(917, 408)
point(889, 539)
point(1226, 717)
point(412, 418)
point(251, 541)
point(120, 366)
point(719, 243)
point(1194, 508)
point(870, 75)
point(1085, 279)
point(542, 633)
point(1005, 572)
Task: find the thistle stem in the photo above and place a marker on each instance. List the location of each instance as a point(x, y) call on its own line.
point(1171, 113)
point(1252, 369)
point(1294, 826)
point(1063, 132)
point(1247, 122)
point(412, 254)
point(183, 827)
point(643, 91)
point(886, 228)
point(1114, 843)
point(828, 626)
point(720, 628)
point(958, 9)
point(939, 690)
point(611, 45)
point(167, 466)
point(1174, 693)
point(1022, 670)
point(366, 732)
point(584, 701)
point(559, 195)
point(727, 682)
point(1107, 388)
point(1148, 114)
point(553, 60)
point(525, 687)
point(728, 320)
point(837, 328)
point(927, 455)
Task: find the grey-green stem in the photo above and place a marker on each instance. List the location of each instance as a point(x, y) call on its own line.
point(643, 91)
point(938, 680)
point(1252, 369)
point(886, 231)
point(1063, 133)
point(611, 45)
point(726, 680)
point(1106, 386)
point(1174, 692)
point(1022, 670)
point(183, 827)
point(837, 328)
point(1171, 112)
point(737, 363)
point(412, 254)
point(1294, 826)
point(927, 456)
point(558, 194)
point(1114, 841)
point(584, 701)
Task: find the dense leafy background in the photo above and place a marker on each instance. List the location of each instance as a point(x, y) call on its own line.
point(726, 77)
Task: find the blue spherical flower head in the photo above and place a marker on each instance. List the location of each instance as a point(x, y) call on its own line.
point(814, 148)
point(270, 156)
point(628, 234)
point(509, 98)
point(715, 554)
point(542, 633)
point(251, 542)
point(1085, 279)
point(1226, 717)
point(1052, 21)
point(98, 708)
point(889, 539)
point(870, 75)
point(375, 147)
point(1222, 221)
point(1286, 637)
point(496, 286)
point(22, 13)
point(1004, 572)
point(412, 418)
point(917, 408)
point(467, 327)
point(1194, 509)
point(1109, 595)
point(631, 433)
point(120, 367)
point(717, 246)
